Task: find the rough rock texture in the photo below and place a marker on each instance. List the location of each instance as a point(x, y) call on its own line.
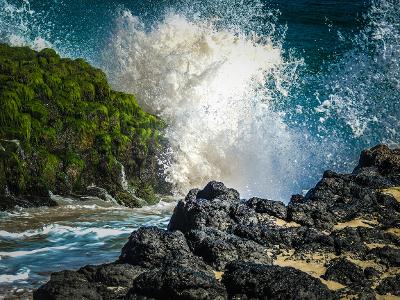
point(341, 240)
point(345, 272)
point(253, 281)
point(63, 129)
point(176, 283)
point(390, 285)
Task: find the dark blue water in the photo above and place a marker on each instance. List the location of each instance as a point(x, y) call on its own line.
point(81, 29)
point(327, 86)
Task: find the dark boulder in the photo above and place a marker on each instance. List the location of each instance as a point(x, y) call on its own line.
point(345, 272)
point(119, 275)
point(67, 285)
point(152, 247)
point(390, 285)
point(218, 248)
point(210, 207)
point(371, 273)
point(388, 256)
point(255, 281)
point(270, 207)
point(343, 197)
point(266, 235)
point(385, 160)
point(349, 240)
point(215, 189)
point(172, 283)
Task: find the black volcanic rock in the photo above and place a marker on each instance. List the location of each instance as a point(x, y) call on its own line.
point(120, 275)
point(345, 230)
point(273, 208)
point(218, 248)
point(67, 285)
point(387, 255)
point(255, 281)
point(210, 207)
point(384, 160)
point(172, 283)
point(152, 247)
point(215, 189)
point(345, 272)
point(390, 285)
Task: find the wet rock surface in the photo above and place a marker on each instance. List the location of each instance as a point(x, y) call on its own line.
point(341, 240)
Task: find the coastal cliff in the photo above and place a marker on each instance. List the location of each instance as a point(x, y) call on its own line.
point(340, 240)
point(64, 130)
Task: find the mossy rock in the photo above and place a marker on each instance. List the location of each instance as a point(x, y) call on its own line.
point(129, 200)
point(72, 127)
point(146, 192)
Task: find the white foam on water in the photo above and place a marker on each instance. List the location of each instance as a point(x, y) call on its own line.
point(60, 230)
point(215, 81)
point(5, 254)
point(160, 208)
point(23, 274)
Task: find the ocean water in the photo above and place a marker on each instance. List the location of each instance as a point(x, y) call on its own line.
point(38, 241)
point(263, 95)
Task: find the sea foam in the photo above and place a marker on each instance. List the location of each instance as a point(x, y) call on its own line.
point(209, 85)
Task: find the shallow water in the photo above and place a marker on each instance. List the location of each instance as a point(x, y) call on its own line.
point(36, 242)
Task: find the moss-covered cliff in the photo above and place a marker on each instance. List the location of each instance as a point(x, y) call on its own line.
point(63, 129)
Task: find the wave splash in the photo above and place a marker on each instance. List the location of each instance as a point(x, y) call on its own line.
point(364, 85)
point(209, 85)
point(240, 108)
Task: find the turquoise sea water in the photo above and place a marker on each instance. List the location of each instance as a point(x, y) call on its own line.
point(338, 67)
point(263, 95)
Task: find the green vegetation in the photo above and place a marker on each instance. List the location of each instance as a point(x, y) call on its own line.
point(62, 129)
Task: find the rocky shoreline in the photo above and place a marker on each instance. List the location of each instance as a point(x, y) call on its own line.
point(340, 240)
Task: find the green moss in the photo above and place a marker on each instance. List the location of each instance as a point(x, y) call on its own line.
point(50, 170)
point(73, 127)
point(127, 199)
point(145, 191)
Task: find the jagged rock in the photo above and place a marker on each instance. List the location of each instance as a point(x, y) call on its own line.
point(273, 208)
point(375, 235)
point(345, 272)
point(371, 273)
point(176, 283)
point(343, 197)
point(255, 281)
point(304, 238)
point(349, 240)
point(67, 285)
point(215, 189)
point(390, 285)
point(266, 235)
point(152, 247)
point(211, 207)
point(218, 248)
point(346, 215)
point(383, 159)
point(112, 274)
point(387, 255)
